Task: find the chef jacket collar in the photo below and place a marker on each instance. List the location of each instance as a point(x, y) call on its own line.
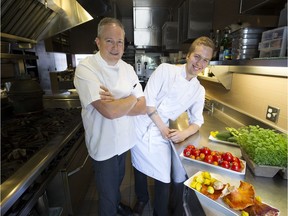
point(104, 63)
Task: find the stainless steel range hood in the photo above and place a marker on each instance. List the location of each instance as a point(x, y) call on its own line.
point(34, 20)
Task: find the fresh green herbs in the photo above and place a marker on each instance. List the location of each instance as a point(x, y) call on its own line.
point(263, 146)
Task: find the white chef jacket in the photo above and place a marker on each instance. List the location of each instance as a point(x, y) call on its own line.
point(104, 137)
point(170, 92)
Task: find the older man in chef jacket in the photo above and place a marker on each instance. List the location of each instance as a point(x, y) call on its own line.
point(111, 96)
point(170, 91)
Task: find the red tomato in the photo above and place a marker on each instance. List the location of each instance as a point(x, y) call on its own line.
point(217, 158)
point(205, 150)
point(236, 159)
point(225, 164)
point(213, 153)
point(227, 156)
point(192, 156)
point(195, 152)
point(202, 156)
point(208, 159)
point(187, 152)
point(236, 167)
point(190, 146)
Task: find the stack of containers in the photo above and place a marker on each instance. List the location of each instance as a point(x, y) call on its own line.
point(274, 43)
point(245, 42)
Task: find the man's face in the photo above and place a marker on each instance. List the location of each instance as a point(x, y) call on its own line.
point(111, 44)
point(198, 60)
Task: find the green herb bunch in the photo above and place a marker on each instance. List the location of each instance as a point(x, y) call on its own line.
point(264, 146)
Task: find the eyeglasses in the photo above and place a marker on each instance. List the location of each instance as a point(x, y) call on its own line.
point(199, 58)
point(111, 42)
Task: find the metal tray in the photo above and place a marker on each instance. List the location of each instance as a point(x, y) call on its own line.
point(249, 30)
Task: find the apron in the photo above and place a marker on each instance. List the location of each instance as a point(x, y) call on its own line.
point(152, 154)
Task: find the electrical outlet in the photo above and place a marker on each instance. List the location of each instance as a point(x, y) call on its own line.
point(272, 113)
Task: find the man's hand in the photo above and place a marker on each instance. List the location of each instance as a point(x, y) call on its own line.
point(106, 94)
point(165, 132)
point(176, 136)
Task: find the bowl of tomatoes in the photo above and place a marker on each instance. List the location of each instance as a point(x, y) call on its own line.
point(221, 160)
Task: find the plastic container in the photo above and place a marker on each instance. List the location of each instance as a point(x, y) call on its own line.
point(274, 34)
point(273, 43)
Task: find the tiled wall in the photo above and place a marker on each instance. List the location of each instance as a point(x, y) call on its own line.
point(251, 94)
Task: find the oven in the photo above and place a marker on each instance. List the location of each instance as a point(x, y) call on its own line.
point(45, 166)
point(68, 188)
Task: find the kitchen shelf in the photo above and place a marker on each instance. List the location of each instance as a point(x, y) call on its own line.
point(274, 67)
point(17, 56)
point(222, 75)
point(271, 62)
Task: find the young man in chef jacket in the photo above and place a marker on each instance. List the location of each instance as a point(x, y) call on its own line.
point(111, 96)
point(170, 91)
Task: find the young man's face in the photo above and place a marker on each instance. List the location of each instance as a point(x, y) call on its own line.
point(111, 43)
point(199, 60)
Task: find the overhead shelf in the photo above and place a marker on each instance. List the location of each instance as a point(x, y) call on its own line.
point(222, 75)
point(17, 56)
point(271, 62)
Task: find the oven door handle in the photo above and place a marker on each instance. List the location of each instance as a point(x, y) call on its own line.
point(79, 168)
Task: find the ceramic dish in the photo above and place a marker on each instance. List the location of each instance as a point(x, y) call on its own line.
point(224, 179)
point(219, 201)
point(222, 141)
point(217, 167)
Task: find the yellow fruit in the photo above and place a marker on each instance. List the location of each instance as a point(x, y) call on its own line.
point(200, 179)
point(244, 213)
point(214, 133)
point(198, 186)
point(193, 184)
point(258, 198)
point(207, 182)
point(207, 175)
point(213, 180)
point(210, 190)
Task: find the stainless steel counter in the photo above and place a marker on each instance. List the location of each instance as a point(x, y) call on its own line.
point(66, 99)
point(272, 190)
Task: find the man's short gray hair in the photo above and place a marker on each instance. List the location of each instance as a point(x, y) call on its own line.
point(107, 21)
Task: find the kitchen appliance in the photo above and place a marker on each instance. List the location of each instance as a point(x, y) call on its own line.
point(170, 36)
point(35, 148)
point(146, 63)
point(34, 20)
point(61, 81)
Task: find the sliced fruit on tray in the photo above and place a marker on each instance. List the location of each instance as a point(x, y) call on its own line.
point(208, 185)
point(240, 199)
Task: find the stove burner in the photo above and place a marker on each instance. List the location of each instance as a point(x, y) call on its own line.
point(23, 136)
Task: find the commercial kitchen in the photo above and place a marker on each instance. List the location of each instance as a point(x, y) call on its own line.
point(45, 166)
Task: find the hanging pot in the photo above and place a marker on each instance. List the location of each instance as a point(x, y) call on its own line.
point(26, 96)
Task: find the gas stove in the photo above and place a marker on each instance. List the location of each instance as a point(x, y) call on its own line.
point(23, 136)
point(32, 148)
